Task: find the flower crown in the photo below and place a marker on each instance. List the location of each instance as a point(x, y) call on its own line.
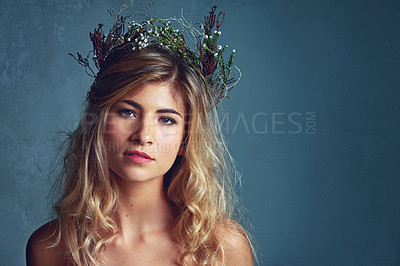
point(207, 58)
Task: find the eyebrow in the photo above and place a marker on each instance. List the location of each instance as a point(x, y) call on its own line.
point(160, 111)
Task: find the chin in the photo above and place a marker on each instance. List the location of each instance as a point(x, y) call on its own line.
point(136, 175)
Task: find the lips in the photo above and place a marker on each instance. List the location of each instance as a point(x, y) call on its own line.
point(138, 157)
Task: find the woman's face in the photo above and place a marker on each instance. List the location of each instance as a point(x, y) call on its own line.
point(144, 132)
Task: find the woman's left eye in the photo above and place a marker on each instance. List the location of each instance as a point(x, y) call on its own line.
point(167, 121)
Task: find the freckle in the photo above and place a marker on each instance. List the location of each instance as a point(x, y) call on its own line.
point(126, 215)
point(131, 204)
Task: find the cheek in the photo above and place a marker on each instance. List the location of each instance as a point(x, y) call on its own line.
point(117, 129)
point(171, 142)
point(110, 134)
point(114, 136)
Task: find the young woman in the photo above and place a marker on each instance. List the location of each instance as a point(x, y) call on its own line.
point(144, 177)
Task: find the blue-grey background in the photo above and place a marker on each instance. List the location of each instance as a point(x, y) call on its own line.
point(313, 124)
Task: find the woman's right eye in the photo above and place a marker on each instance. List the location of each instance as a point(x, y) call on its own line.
point(127, 113)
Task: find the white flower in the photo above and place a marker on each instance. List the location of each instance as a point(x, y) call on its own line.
point(219, 47)
point(215, 32)
point(216, 54)
point(219, 33)
point(234, 51)
point(204, 45)
point(226, 46)
point(129, 39)
point(205, 36)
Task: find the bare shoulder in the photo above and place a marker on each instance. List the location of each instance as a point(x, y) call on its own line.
point(39, 250)
point(235, 243)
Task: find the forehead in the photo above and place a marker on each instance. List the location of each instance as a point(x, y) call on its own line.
point(158, 95)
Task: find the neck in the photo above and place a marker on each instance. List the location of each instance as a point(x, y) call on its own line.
point(142, 207)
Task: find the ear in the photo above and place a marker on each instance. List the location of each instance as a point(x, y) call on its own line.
point(182, 150)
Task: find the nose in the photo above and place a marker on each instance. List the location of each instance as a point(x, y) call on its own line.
point(143, 133)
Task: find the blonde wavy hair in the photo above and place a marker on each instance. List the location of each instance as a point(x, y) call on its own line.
point(197, 186)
